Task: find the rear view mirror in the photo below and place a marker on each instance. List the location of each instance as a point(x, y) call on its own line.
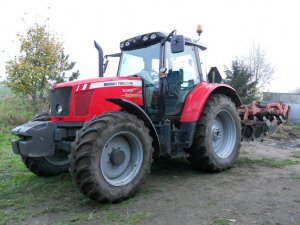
point(177, 44)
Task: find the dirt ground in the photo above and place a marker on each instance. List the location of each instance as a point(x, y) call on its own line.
point(262, 188)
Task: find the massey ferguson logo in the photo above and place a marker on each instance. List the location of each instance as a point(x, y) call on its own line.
point(119, 83)
point(135, 83)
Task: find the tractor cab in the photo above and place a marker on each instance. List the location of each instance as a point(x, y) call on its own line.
point(169, 66)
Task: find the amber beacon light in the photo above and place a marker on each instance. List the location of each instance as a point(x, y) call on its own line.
point(199, 30)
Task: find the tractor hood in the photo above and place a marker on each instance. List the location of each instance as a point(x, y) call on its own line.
point(105, 80)
point(79, 101)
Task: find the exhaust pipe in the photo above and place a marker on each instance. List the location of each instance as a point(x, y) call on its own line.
point(100, 58)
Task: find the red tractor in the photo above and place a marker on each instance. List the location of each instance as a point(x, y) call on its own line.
point(108, 130)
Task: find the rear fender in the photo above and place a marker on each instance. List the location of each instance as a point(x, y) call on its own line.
point(198, 97)
point(136, 110)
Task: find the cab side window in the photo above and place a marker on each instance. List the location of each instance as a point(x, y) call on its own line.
point(185, 62)
point(182, 76)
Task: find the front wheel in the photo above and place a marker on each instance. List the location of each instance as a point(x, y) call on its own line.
point(218, 137)
point(49, 165)
point(111, 156)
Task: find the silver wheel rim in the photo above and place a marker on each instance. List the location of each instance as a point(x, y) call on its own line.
point(223, 134)
point(59, 159)
point(121, 158)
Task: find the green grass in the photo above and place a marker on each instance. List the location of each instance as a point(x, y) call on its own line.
point(14, 111)
point(296, 127)
point(25, 196)
point(296, 154)
point(267, 162)
point(110, 216)
point(220, 222)
point(296, 177)
point(4, 91)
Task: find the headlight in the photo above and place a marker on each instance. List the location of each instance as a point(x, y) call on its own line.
point(145, 38)
point(59, 108)
point(152, 36)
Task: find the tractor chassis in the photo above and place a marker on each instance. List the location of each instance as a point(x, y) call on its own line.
point(42, 138)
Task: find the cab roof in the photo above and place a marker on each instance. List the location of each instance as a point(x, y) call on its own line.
point(148, 39)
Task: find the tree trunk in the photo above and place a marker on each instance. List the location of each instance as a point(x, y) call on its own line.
point(34, 103)
point(41, 95)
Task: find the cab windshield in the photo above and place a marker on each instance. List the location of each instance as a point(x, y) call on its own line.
point(143, 62)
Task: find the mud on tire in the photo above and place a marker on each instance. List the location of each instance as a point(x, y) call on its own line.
point(111, 156)
point(218, 136)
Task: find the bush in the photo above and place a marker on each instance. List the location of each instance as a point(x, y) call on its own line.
point(14, 111)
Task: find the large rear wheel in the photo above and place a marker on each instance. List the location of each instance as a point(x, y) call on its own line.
point(218, 137)
point(111, 156)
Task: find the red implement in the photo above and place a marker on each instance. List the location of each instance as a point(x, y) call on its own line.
point(257, 118)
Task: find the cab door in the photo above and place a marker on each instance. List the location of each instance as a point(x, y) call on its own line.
point(183, 74)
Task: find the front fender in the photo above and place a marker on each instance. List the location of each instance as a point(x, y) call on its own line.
point(140, 113)
point(198, 97)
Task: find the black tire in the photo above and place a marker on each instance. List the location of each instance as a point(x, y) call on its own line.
point(49, 165)
point(218, 136)
point(92, 163)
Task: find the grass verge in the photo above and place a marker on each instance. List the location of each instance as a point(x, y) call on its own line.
point(296, 127)
point(13, 112)
point(267, 162)
point(296, 154)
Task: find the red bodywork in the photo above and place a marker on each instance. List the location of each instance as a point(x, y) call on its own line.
point(197, 98)
point(88, 97)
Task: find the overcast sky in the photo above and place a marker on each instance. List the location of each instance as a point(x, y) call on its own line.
point(230, 28)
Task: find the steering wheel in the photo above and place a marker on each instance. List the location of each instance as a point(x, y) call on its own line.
point(146, 76)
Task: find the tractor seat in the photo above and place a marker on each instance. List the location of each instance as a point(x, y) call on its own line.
point(174, 80)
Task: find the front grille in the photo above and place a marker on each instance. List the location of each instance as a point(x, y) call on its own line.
point(60, 96)
point(81, 102)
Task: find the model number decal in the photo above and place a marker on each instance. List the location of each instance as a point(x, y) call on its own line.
point(132, 95)
point(127, 90)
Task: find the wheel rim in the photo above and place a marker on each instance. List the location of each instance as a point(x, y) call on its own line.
point(223, 134)
point(59, 159)
point(121, 158)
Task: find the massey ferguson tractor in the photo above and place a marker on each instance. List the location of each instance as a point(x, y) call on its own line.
point(108, 130)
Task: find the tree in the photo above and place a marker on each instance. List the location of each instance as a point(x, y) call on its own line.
point(240, 78)
point(296, 91)
point(41, 61)
point(261, 70)
point(250, 74)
